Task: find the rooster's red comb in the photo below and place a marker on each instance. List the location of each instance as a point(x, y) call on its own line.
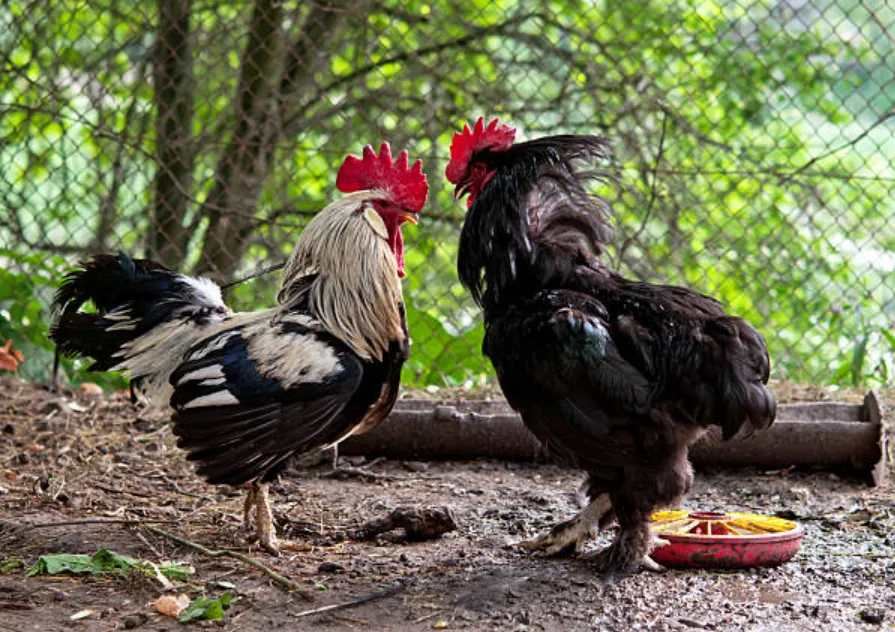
point(407, 185)
point(469, 141)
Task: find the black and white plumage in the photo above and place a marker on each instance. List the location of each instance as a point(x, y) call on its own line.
point(120, 288)
point(249, 390)
point(615, 376)
point(246, 399)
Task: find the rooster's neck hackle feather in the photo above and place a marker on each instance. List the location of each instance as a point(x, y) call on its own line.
point(356, 297)
point(535, 223)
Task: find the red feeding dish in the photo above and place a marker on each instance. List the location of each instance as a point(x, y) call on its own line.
point(705, 539)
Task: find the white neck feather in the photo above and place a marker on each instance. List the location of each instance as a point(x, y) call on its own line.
point(350, 274)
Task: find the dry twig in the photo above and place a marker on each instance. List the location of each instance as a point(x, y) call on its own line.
point(68, 523)
point(345, 473)
point(356, 602)
point(245, 559)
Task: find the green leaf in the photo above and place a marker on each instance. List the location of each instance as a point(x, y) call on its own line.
point(889, 336)
point(205, 608)
point(223, 584)
point(11, 564)
point(60, 563)
point(105, 561)
point(181, 573)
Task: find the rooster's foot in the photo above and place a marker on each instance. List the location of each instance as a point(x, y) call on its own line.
point(649, 563)
point(568, 537)
point(257, 515)
point(618, 561)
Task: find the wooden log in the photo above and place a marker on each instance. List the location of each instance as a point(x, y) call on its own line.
point(824, 434)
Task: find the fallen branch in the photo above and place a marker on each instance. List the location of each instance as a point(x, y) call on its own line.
point(356, 602)
point(418, 523)
point(69, 523)
point(345, 473)
point(245, 559)
point(118, 490)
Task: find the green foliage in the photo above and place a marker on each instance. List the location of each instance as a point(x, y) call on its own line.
point(103, 563)
point(27, 283)
point(8, 564)
point(206, 608)
point(761, 198)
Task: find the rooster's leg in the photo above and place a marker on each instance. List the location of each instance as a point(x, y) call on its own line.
point(257, 516)
point(628, 553)
point(643, 490)
point(264, 527)
point(569, 536)
point(54, 380)
point(249, 505)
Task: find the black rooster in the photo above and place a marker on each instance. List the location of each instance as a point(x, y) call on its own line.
point(616, 377)
point(248, 390)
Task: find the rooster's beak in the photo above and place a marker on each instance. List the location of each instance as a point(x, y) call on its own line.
point(408, 216)
point(461, 190)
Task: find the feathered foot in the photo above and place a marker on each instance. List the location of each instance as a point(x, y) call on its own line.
point(265, 531)
point(623, 556)
point(568, 537)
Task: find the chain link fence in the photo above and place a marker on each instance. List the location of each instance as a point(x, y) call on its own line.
point(753, 144)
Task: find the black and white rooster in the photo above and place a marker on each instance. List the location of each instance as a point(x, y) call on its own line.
point(248, 390)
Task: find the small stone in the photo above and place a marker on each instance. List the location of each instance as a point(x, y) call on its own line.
point(135, 620)
point(415, 466)
point(9, 429)
point(786, 514)
point(330, 567)
point(872, 615)
point(89, 388)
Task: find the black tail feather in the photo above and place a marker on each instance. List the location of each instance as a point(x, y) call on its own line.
point(107, 281)
point(130, 296)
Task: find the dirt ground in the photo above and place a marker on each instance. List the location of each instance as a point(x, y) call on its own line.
point(67, 460)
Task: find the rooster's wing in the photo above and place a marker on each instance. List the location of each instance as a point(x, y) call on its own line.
point(562, 366)
point(248, 398)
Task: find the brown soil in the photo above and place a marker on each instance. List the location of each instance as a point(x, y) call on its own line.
point(73, 458)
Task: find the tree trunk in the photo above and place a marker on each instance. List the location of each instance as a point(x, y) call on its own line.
point(265, 93)
point(174, 93)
